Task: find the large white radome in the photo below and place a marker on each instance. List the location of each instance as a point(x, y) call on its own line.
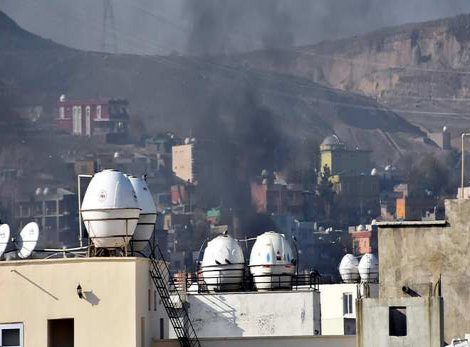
point(148, 214)
point(110, 210)
point(271, 261)
point(223, 263)
point(348, 268)
point(369, 268)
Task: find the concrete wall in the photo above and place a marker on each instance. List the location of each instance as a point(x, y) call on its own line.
point(417, 254)
point(423, 321)
point(289, 341)
point(182, 162)
point(292, 313)
point(332, 315)
point(110, 314)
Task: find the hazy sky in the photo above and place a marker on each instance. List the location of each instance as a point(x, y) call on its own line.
point(215, 26)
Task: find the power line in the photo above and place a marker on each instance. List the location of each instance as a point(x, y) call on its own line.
point(303, 84)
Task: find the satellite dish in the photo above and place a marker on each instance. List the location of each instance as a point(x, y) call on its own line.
point(28, 239)
point(4, 237)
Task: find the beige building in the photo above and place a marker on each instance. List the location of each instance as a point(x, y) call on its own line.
point(40, 305)
point(183, 162)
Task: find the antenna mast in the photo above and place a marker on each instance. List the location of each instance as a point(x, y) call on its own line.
point(109, 39)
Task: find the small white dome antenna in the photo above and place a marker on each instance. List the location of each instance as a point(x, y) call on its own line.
point(4, 237)
point(28, 239)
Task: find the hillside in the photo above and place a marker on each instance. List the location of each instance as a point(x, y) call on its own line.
point(243, 105)
point(420, 70)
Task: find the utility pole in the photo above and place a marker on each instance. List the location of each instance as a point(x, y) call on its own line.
point(109, 28)
point(462, 174)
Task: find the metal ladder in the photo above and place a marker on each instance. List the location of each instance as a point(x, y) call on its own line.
point(171, 299)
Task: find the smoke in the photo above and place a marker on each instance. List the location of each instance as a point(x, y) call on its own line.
point(243, 138)
point(218, 26)
point(224, 26)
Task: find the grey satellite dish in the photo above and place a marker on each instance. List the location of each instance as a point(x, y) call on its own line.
point(28, 239)
point(4, 237)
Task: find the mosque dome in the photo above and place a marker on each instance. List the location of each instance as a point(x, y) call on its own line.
point(331, 142)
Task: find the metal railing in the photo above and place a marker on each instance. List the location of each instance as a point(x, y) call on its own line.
point(230, 280)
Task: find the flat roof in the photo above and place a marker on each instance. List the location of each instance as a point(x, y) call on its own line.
point(409, 223)
point(71, 260)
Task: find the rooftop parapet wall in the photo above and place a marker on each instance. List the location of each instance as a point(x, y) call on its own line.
point(244, 314)
point(417, 254)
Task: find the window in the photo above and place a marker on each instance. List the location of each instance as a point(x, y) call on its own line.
point(154, 300)
point(397, 321)
point(98, 112)
point(11, 335)
point(142, 332)
point(162, 329)
point(347, 304)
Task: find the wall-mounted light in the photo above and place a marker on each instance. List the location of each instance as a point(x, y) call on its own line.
point(79, 291)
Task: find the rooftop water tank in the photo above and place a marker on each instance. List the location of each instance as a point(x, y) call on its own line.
point(110, 210)
point(348, 269)
point(369, 268)
point(272, 262)
point(148, 214)
point(223, 264)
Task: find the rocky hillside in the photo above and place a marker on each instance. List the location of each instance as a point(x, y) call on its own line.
point(243, 105)
point(421, 71)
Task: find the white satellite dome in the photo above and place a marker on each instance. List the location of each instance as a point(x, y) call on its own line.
point(62, 98)
point(148, 214)
point(4, 237)
point(374, 172)
point(223, 264)
point(361, 227)
point(271, 261)
point(369, 268)
point(28, 239)
point(348, 268)
point(110, 209)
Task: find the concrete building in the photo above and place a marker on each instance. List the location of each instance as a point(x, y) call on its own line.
point(338, 307)
point(275, 196)
point(412, 204)
point(364, 239)
point(342, 161)
point(104, 117)
point(424, 294)
point(183, 162)
point(350, 173)
point(442, 139)
point(42, 308)
point(54, 209)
